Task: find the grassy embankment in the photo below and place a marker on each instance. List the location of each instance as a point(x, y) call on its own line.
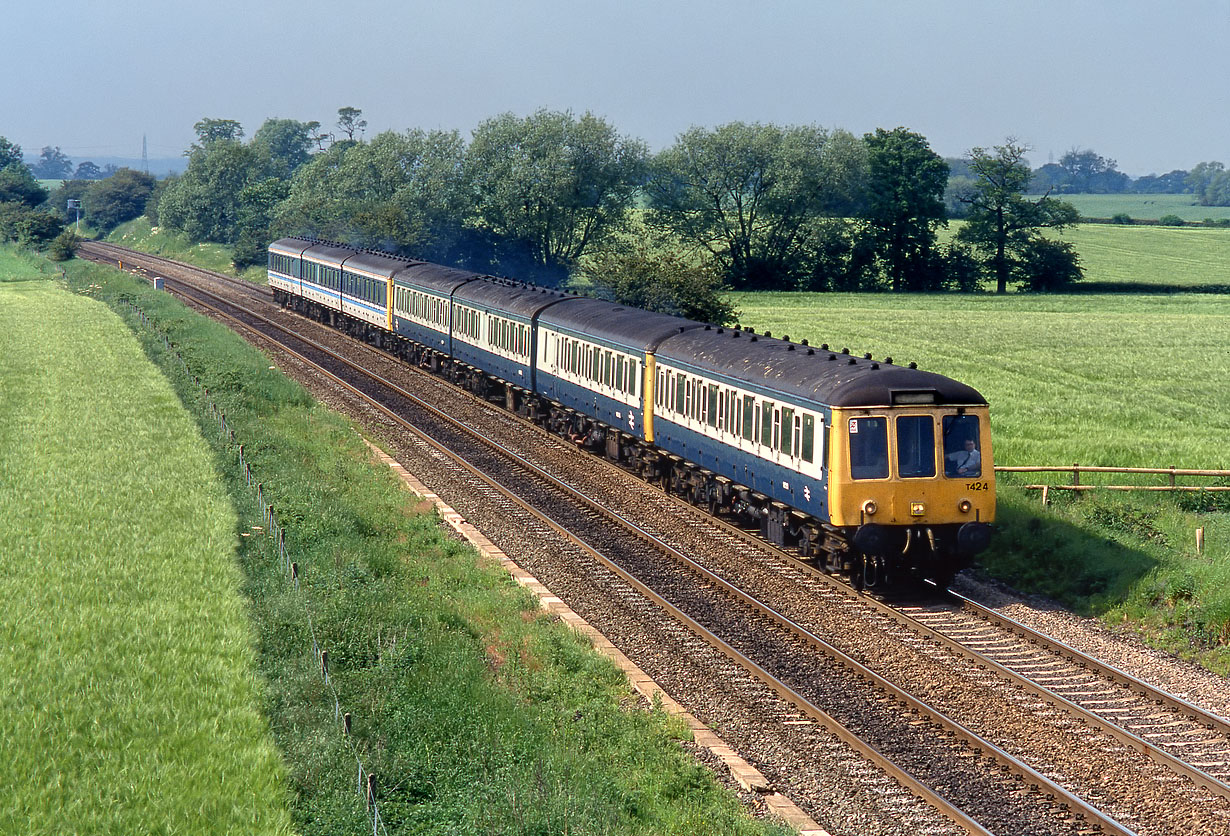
point(1126, 379)
point(477, 713)
point(128, 697)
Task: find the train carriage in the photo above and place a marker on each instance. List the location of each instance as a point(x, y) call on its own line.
point(422, 304)
point(493, 328)
point(596, 357)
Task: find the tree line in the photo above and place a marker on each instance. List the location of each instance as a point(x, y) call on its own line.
point(554, 197)
point(1083, 171)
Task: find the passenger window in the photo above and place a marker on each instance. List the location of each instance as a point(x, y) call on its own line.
point(809, 437)
point(962, 454)
point(766, 424)
point(787, 431)
point(748, 417)
point(915, 446)
point(713, 405)
point(868, 448)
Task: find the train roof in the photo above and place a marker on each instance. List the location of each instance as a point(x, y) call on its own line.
point(519, 299)
point(435, 277)
point(828, 377)
point(631, 328)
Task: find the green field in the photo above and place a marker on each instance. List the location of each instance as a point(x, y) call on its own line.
point(1144, 206)
point(129, 691)
point(1152, 257)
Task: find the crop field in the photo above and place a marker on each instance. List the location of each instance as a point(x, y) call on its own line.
point(1144, 206)
point(1150, 259)
point(130, 701)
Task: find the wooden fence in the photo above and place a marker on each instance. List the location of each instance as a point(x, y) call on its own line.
point(1171, 474)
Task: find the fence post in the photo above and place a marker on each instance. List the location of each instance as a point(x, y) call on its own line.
point(1172, 477)
point(1076, 474)
point(1199, 540)
point(1045, 495)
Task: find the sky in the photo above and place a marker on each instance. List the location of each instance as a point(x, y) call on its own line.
point(1143, 82)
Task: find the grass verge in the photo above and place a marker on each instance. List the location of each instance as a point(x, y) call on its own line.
point(128, 696)
point(477, 713)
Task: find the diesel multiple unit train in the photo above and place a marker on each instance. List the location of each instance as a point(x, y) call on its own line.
point(872, 469)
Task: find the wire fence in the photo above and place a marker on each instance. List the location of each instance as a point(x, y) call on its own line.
point(365, 783)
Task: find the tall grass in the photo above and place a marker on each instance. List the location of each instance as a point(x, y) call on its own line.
point(477, 713)
point(128, 696)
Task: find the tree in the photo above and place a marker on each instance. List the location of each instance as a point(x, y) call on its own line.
point(10, 154)
point(905, 187)
point(349, 120)
point(204, 202)
point(209, 131)
point(1002, 223)
point(1090, 173)
point(121, 197)
point(64, 246)
point(552, 185)
point(52, 164)
point(257, 203)
point(749, 195)
point(659, 278)
point(288, 143)
point(17, 185)
point(87, 171)
point(1172, 182)
point(400, 192)
point(1201, 178)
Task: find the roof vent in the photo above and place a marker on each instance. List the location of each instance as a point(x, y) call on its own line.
point(845, 351)
point(790, 347)
point(804, 341)
point(867, 356)
point(810, 351)
point(735, 334)
point(913, 365)
point(768, 334)
point(875, 365)
point(852, 362)
point(721, 330)
point(888, 361)
point(754, 338)
point(824, 346)
point(708, 327)
point(832, 356)
point(785, 337)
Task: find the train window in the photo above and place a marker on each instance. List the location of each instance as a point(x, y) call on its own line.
point(713, 405)
point(869, 448)
point(766, 424)
point(722, 401)
point(748, 417)
point(788, 445)
point(962, 453)
point(809, 437)
point(915, 446)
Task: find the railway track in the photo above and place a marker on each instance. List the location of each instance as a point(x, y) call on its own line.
point(786, 651)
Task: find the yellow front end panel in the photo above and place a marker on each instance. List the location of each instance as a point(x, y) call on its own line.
point(894, 500)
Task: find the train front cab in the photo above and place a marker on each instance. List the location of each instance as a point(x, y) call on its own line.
point(913, 486)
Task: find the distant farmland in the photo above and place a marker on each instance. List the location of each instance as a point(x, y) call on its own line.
point(1143, 206)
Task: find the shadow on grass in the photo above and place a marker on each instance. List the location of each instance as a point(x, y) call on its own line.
point(1144, 289)
point(1038, 553)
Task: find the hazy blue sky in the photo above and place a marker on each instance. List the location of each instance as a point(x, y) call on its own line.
point(1145, 82)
